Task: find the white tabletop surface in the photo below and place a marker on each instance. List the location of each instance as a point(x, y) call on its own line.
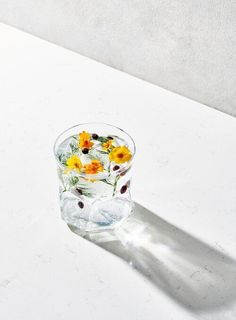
point(184, 174)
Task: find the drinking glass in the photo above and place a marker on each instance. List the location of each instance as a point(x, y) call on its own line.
point(93, 165)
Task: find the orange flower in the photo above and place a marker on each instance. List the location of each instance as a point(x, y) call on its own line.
point(84, 140)
point(120, 154)
point(107, 145)
point(94, 167)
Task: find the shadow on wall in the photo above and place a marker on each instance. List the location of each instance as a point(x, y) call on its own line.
point(188, 270)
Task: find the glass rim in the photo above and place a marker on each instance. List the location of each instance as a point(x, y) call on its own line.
point(94, 123)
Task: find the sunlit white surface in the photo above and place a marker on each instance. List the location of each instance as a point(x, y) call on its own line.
point(182, 244)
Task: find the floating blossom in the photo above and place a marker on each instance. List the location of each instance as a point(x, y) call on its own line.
point(84, 135)
point(107, 145)
point(74, 163)
point(84, 140)
point(94, 167)
point(120, 154)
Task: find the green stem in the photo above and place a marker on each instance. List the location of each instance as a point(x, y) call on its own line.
point(115, 185)
point(105, 181)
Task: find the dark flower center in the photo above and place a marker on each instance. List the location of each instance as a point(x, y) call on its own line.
point(120, 155)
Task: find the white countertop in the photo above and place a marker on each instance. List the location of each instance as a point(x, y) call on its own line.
point(184, 246)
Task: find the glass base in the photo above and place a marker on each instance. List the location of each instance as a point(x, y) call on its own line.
point(97, 215)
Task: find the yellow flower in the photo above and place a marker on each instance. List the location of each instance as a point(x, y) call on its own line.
point(74, 163)
point(107, 145)
point(94, 167)
point(84, 140)
point(120, 154)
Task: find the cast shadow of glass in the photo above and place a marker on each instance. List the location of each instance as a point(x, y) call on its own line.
point(187, 269)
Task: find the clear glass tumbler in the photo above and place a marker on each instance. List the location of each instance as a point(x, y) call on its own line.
point(93, 164)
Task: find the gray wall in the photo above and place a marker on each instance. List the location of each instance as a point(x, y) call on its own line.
point(185, 46)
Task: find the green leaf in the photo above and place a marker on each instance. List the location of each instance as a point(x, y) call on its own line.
point(87, 194)
point(102, 139)
point(73, 181)
point(62, 158)
point(74, 148)
point(103, 152)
